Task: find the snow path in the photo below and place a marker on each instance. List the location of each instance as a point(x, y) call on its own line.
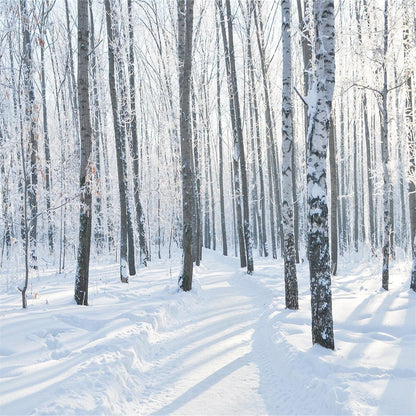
point(228, 347)
point(208, 357)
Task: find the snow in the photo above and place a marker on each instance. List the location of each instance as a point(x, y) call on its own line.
point(227, 347)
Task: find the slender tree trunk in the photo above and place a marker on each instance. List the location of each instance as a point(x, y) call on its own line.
point(120, 146)
point(207, 219)
point(197, 218)
point(236, 154)
point(306, 43)
point(270, 139)
point(220, 145)
point(71, 79)
point(387, 191)
point(85, 216)
point(318, 134)
point(26, 222)
point(234, 204)
point(30, 122)
point(96, 115)
point(134, 142)
point(211, 185)
point(334, 197)
point(185, 29)
point(355, 180)
point(262, 223)
point(291, 284)
point(239, 152)
point(370, 186)
point(46, 135)
point(411, 136)
point(271, 205)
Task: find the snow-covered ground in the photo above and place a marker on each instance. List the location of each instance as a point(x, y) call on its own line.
point(227, 348)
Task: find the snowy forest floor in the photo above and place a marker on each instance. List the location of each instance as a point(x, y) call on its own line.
point(229, 347)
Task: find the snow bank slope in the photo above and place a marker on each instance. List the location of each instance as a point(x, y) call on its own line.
point(229, 347)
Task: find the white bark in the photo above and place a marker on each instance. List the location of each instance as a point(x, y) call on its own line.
point(320, 103)
point(291, 285)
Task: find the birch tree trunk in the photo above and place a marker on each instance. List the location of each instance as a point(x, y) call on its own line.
point(387, 191)
point(185, 28)
point(85, 216)
point(411, 135)
point(317, 142)
point(291, 284)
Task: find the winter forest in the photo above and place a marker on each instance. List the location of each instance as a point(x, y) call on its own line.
point(207, 207)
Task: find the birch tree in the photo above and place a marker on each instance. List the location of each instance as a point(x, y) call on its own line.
point(387, 191)
point(291, 285)
point(320, 103)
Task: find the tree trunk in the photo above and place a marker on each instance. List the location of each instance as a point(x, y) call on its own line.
point(262, 223)
point(71, 79)
point(291, 284)
point(370, 186)
point(134, 141)
point(239, 152)
point(236, 155)
point(46, 133)
point(413, 272)
point(334, 197)
point(318, 134)
point(270, 139)
point(120, 146)
point(387, 191)
point(220, 146)
point(96, 114)
point(30, 122)
point(197, 220)
point(85, 216)
point(185, 26)
point(411, 136)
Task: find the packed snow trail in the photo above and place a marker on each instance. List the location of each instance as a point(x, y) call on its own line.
point(206, 362)
point(228, 347)
point(219, 359)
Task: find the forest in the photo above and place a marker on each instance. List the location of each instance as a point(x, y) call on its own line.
point(269, 141)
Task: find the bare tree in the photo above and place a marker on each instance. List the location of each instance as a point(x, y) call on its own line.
point(387, 189)
point(85, 215)
point(126, 247)
point(185, 29)
point(291, 284)
point(134, 140)
point(239, 153)
point(317, 142)
point(30, 121)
